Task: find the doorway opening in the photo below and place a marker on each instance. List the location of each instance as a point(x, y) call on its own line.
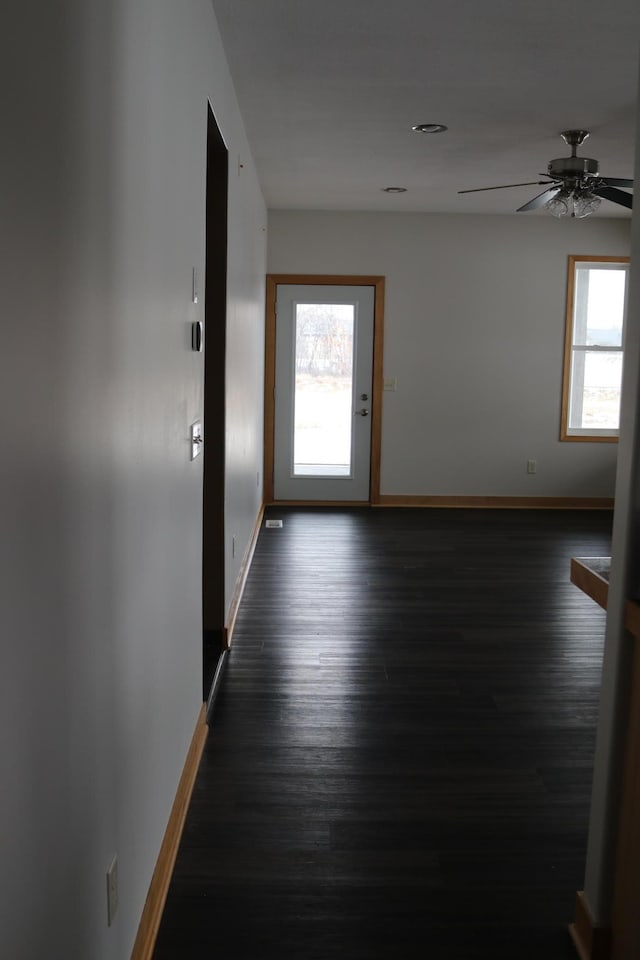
point(215, 311)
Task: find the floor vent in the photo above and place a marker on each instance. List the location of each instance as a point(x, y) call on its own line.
point(273, 524)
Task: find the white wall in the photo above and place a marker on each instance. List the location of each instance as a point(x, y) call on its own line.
point(103, 190)
point(474, 334)
point(624, 583)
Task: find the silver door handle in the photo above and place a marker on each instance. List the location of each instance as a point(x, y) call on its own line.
point(361, 413)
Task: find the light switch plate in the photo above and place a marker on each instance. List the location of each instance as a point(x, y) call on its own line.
point(196, 439)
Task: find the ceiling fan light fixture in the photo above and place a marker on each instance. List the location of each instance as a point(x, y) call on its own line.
point(429, 128)
point(575, 203)
point(585, 205)
point(559, 206)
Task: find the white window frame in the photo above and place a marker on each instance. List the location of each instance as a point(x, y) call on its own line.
point(567, 432)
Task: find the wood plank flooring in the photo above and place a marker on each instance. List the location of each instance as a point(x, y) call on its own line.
point(401, 753)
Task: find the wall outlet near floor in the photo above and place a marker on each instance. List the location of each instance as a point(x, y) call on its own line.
point(112, 890)
point(531, 466)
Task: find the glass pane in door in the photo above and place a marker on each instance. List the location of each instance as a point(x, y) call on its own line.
point(323, 393)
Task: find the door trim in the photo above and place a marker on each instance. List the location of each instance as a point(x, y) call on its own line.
point(273, 280)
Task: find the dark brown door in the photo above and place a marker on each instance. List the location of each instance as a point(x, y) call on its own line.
point(213, 608)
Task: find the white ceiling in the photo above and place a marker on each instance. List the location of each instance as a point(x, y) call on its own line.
point(329, 90)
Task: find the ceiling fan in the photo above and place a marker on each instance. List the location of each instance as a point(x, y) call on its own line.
point(575, 186)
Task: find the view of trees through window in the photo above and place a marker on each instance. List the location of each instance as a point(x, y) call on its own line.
point(324, 338)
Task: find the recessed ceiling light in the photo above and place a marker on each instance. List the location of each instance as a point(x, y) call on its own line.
point(429, 128)
point(394, 189)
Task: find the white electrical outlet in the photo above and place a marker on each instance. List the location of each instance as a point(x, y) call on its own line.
point(112, 890)
point(531, 466)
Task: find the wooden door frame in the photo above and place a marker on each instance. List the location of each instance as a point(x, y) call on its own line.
point(305, 279)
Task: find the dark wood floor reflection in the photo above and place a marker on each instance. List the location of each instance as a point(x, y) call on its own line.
point(401, 754)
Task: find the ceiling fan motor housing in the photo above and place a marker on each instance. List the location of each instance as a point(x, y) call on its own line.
point(573, 168)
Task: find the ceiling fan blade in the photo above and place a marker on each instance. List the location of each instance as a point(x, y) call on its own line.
point(540, 200)
point(617, 182)
point(505, 186)
point(615, 195)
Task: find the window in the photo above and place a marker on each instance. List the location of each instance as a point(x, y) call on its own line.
point(596, 301)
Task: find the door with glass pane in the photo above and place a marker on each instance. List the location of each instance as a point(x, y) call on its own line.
point(323, 377)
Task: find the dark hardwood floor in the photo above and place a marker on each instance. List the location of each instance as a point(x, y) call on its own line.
point(401, 753)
